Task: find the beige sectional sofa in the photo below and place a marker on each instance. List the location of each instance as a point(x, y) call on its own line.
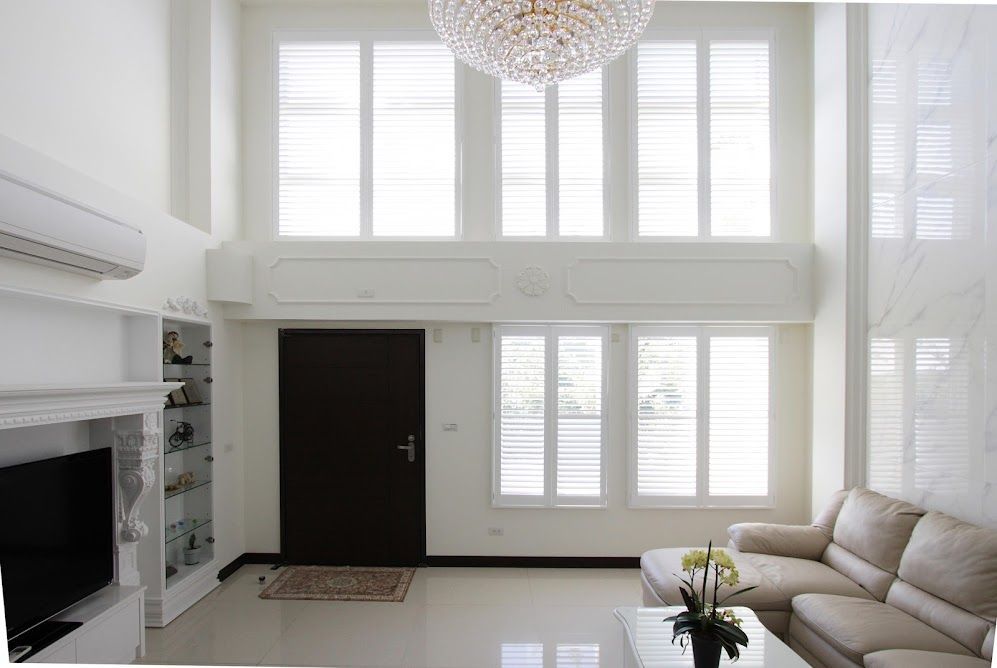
point(873, 582)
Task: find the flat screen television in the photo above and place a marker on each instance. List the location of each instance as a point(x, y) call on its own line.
point(56, 535)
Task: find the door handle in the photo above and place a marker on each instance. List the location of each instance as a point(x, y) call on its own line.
point(410, 447)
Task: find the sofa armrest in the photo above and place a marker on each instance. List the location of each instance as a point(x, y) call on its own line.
point(802, 542)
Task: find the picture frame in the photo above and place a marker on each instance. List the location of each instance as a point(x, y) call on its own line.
point(191, 391)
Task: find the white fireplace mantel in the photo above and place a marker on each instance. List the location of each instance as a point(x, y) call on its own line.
point(135, 429)
point(32, 405)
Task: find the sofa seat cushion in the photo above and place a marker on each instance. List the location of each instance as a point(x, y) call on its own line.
point(662, 568)
point(913, 658)
point(855, 627)
point(793, 576)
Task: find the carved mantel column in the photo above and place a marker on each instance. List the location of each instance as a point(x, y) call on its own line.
point(137, 452)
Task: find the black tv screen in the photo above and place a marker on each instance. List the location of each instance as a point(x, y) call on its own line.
point(57, 541)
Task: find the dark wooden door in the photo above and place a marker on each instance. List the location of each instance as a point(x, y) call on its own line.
point(348, 400)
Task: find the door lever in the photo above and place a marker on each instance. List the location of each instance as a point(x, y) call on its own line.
point(410, 447)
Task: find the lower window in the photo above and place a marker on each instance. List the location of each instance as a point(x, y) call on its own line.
point(550, 416)
point(701, 416)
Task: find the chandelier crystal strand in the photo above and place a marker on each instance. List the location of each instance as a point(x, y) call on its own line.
point(539, 42)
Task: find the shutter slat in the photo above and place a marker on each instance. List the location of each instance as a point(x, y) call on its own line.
point(739, 416)
point(740, 179)
point(524, 161)
point(666, 415)
point(414, 149)
point(318, 138)
point(941, 415)
point(579, 420)
point(667, 139)
point(522, 415)
point(580, 160)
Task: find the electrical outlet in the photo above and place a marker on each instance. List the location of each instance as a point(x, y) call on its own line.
point(437, 336)
point(449, 426)
point(496, 531)
point(366, 293)
point(475, 335)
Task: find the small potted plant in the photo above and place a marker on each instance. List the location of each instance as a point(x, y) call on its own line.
point(192, 553)
point(703, 623)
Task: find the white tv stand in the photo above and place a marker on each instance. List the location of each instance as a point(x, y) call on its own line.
point(113, 629)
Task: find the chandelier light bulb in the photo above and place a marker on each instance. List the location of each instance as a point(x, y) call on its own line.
point(539, 42)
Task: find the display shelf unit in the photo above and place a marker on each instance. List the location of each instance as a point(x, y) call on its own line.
point(184, 502)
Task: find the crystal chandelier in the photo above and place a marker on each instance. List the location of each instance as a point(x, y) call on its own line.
point(539, 42)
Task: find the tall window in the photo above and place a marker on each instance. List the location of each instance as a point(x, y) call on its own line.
point(551, 155)
point(550, 415)
point(703, 117)
point(701, 417)
point(366, 139)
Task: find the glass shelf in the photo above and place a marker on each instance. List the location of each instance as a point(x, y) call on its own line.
point(203, 403)
point(174, 534)
point(170, 449)
point(188, 364)
point(184, 490)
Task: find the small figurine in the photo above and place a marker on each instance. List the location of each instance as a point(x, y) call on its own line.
point(172, 349)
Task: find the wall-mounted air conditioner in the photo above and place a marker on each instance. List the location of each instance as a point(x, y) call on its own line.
point(41, 226)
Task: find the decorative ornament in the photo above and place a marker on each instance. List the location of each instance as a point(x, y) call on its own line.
point(185, 305)
point(533, 281)
point(539, 42)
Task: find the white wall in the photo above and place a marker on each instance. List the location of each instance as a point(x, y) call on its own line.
point(88, 84)
point(458, 464)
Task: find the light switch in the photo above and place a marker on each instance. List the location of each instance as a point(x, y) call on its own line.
point(475, 335)
point(449, 426)
point(437, 336)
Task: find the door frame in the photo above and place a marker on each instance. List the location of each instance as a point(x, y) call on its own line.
point(282, 335)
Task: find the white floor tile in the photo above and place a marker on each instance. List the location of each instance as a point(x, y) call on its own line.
point(451, 618)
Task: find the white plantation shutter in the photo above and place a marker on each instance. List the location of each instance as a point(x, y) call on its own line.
point(556, 132)
point(524, 160)
point(318, 139)
point(550, 415)
point(579, 416)
point(886, 415)
point(886, 152)
point(667, 139)
point(666, 415)
point(577, 655)
point(701, 398)
point(703, 112)
point(740, 117)
point(522, 412)
point(414, 150)
point(739, 416)
point(580, 161)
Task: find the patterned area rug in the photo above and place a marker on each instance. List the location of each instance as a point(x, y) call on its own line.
point(340, 583)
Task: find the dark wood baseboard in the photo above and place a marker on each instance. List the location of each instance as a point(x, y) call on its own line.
point(247, 558)
point(534, 562)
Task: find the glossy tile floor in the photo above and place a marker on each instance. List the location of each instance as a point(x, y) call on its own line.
point(451, 618)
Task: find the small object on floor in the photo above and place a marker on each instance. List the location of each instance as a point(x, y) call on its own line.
point(263, 579)
point(340, 583)
point(171, 570)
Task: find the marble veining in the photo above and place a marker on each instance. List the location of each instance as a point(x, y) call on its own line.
point(932, 289)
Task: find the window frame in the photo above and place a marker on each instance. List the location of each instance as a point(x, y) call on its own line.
point(552, 175)
point(550, 498)
point(702, 499)
point(366, 39)
point(703, 37)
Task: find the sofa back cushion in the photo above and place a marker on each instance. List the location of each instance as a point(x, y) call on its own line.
point(962, 626)
point(955, 561)
point(829, 515)
point(875, 528)
point(873, 579)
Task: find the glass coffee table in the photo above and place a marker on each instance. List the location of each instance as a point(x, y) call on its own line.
point(647, 642)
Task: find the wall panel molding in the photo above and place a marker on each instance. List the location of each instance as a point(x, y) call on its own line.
point(685, 280)
point(384, 280)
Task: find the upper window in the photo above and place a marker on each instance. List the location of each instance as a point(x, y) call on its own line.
point(551, 159)
point(701, 420)
point(366, 139)
point(550, 415)
point(703, 116)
